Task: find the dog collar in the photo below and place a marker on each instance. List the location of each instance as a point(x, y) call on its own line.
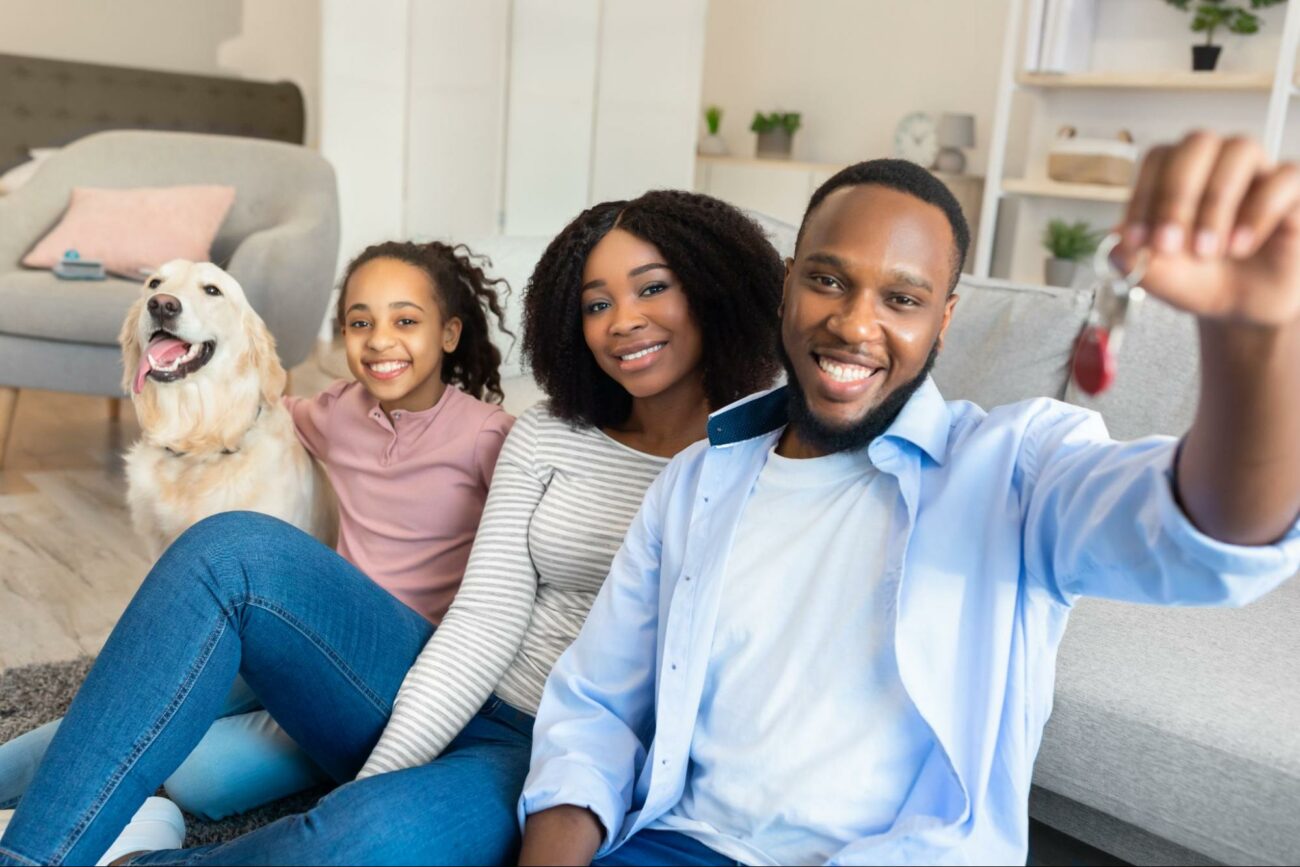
point(224, 452)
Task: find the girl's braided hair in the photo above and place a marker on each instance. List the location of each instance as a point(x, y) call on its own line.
point(463, 291)
point(729, 271)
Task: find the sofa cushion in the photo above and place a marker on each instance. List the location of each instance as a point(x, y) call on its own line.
point(1184, 722)
point(1009, 341)
point(1158, 380)
point(38, 304)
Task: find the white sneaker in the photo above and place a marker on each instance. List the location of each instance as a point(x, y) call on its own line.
point(157, 825)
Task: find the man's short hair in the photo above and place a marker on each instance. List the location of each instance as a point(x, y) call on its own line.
point(906, 177)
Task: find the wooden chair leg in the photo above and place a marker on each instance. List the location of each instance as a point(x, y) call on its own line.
point(8, 407)
point(115, 409)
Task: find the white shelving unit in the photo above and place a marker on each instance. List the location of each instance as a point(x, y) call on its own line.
point(1279, 87)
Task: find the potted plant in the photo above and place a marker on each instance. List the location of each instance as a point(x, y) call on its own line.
point(1069, 244)
point(713, 145)
point(775, 132)
point(1209, 16)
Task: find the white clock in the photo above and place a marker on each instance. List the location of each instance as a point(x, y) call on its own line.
point(916, 139)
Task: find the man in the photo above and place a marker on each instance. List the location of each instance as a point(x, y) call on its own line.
point(831, 633)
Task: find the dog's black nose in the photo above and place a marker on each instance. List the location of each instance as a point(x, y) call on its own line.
point(164, 307)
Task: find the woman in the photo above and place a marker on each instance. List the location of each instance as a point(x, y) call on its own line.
point(640, 318)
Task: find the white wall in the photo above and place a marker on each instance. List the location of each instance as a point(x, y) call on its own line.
point(279, 41)
point(853, 68)
point(171, 35)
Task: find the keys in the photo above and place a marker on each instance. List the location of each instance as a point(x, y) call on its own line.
point(1117, 298)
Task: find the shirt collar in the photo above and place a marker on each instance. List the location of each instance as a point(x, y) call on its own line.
point(924, 421)
point(405, 416)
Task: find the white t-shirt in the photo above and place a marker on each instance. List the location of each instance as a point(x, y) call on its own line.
point(806, 739)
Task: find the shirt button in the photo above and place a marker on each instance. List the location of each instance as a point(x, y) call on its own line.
point(688, 577)
point(674, 666)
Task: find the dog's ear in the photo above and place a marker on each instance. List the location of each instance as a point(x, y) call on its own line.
point(265, 360)
point(129, 338)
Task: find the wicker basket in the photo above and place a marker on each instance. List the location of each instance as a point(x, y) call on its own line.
point(1110, 162)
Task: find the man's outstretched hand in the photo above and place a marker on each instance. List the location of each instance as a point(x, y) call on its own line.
point(1221, 224)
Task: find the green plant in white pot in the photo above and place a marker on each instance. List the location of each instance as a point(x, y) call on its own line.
point(776, 132)
point(1069, 244)
point(712, 144)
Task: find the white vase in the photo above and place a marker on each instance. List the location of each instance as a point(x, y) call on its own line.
point(713, 146)
point(1060, 272)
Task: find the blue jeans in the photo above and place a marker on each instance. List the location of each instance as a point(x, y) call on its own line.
point(458, 809)
point(664, 847)
point(323, 647)
point(244, 761)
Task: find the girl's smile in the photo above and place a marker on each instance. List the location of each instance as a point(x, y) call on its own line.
point(385, 370)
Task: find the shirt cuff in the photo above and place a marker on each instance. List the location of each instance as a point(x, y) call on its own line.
point(1279, 559)
point(559, 783)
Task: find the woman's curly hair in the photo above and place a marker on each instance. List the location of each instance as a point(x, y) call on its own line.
point(463, 292)
point(729, 271)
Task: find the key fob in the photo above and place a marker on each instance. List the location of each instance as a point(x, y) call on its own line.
point(1118, 297)
point(1093, 366)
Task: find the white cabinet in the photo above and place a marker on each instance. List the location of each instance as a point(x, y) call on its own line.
point(554, 46)
point(472, 117)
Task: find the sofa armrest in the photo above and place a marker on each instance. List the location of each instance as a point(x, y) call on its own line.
point(287, 271)
point(24, 220)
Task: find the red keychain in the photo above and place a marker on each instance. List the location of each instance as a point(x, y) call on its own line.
point(1118, 297)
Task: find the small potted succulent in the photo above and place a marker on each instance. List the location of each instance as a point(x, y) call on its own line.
point(775, 132)
point(1070, 244)
point(1209, 16)
point(713, 145)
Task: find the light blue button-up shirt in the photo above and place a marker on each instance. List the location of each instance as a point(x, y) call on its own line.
point(1003, 520)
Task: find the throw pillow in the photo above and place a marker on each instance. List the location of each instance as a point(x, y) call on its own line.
point(133, 231)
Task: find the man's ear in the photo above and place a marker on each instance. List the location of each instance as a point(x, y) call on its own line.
point(948, 307)
point(785, 285)
point(451, 330)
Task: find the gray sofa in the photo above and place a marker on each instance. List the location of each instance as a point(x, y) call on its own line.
point(280, 241)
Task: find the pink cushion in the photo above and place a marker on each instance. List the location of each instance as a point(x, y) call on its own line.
point(136, 230)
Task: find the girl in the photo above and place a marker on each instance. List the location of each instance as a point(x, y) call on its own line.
point(414, 321)
point(640, 318)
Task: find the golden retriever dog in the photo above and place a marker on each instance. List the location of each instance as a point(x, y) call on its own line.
point(206, 382)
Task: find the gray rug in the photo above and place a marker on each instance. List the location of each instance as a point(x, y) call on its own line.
point(33, 695)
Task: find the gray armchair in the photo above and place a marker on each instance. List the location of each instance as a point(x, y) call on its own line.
point(280, 241)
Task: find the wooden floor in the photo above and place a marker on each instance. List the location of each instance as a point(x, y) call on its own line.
point(69, 560)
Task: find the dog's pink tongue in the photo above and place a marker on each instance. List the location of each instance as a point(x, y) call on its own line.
point(161, 352)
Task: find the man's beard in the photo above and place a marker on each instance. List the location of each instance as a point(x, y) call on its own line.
point(830, 440)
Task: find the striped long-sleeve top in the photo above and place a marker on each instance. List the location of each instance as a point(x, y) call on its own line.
point(561, 500)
